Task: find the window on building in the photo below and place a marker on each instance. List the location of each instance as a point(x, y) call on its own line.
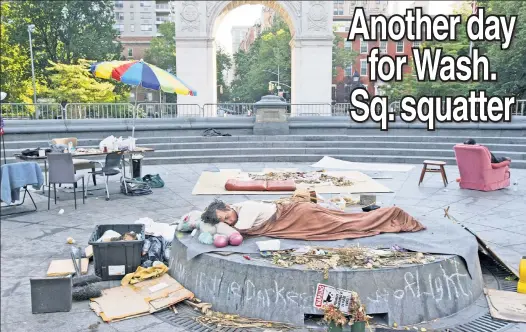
point(416, 44)
point(119, 27)
point(149, 96)
point(338, 7)
point(130, 52)
point(146, 27)
point(348, 71)
point(131, 4)
point(145, 16)
point(119, 16)
point(400, 46)
point(132, 16)
point(145, 3)
point(383, 46)
point(364, 46)
point(132, 28)
point(119, 4)
point(348, 44)
point(363, 67)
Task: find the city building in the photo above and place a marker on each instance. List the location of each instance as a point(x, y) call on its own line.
point(343, 11)
point(238, 34)
point(137, 23)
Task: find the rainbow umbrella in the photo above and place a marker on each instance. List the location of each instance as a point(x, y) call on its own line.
point(139, 73)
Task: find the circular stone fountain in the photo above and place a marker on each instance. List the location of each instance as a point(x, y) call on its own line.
point(256, 288)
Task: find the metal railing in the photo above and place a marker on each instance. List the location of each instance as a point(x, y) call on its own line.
point(99, 111)
point(47, 111)
point(22, 111)
point(169, 110)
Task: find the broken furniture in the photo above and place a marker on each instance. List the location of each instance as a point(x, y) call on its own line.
point(476, 170)
point(115, 259)
point(62, 170)
point(440, 170)
point(110, 168)
point(51, 294)
point(16, 176)
point(260, 185)
point(78, 163)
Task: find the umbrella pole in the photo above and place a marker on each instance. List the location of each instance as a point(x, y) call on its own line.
point(135, 111)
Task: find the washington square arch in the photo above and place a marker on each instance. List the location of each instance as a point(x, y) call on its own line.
point(310, 23)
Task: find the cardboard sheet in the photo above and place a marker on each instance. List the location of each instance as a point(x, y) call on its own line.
point(64, 267)
point(333, 163)
point(145, 297)
point(508, 306)
point(213, 183)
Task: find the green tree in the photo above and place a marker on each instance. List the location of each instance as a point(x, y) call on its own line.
point(259, 65)
point(75, 84)
point(162, 48)
point(509, 64)
point(223, 63)
point(341, 56)
point(66, 31)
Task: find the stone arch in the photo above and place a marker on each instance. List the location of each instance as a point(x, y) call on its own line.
point(311, 47)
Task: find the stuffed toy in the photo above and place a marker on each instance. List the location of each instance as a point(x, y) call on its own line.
point(220, 236)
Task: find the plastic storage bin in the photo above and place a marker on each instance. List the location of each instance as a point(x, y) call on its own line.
point(115, 259)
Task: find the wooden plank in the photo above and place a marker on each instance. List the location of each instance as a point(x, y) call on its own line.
point(64, 267)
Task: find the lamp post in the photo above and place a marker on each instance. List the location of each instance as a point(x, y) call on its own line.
point(30, 29)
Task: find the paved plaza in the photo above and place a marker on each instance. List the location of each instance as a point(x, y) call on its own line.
point(31, 241)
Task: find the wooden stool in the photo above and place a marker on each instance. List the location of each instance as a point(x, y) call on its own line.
point(434, 170)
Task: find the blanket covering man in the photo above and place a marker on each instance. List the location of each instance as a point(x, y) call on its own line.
point(305, 221)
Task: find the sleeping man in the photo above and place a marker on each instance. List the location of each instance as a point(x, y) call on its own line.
point(305, 221)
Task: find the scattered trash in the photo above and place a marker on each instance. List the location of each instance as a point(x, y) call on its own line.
point(395, 325)
point(61, 211)
point(270, 245)
point(70, 240)
point(304, 177)
point(247, 257)
point(143, 273)
point(234, 321)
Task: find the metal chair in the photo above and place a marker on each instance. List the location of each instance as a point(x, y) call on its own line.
point(62, 170)
point(78, 163)
point(110, 167)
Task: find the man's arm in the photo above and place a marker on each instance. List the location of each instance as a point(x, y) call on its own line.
point(225, 229)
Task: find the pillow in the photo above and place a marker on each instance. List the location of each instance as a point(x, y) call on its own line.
point(189, 221)
point(246, 185)
point(281, 185)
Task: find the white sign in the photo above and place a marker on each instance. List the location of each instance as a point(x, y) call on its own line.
point(116, 270)
point(327, 295)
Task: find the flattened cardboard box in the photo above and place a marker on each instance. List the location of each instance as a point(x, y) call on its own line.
point(143, 298)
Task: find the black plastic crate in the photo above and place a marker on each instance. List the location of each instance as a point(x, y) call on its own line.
point(115, 259)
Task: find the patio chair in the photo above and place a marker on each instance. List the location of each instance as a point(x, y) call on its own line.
point(78, 163)
point(110, 167)
point(62, 170)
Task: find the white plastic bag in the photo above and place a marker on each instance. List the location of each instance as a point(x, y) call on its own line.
point(128, 143)
point(108, 142)
point(157, 229)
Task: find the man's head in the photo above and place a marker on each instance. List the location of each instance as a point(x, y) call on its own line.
point(218, 212)
point(470, 141)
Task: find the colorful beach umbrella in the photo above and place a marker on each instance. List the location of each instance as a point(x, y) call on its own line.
point(141, 74)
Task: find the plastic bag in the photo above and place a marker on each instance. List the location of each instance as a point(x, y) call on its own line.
point(108, 142)
point(128, 143)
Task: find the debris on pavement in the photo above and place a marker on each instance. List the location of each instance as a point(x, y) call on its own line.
point(304, 177)
point(507, 306)
point(70, 240)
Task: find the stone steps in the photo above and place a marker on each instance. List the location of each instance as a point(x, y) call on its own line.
point(303, 148)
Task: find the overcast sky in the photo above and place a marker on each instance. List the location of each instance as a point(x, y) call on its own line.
point(249, 14)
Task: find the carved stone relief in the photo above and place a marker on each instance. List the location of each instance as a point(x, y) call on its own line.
point(190, 16)
point(317, 16)
point(209, 6)
point(296, 5)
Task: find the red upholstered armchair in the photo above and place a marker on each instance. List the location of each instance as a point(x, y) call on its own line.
point(476, 170)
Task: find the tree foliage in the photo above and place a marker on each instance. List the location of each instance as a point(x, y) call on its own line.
point(65, 31)
point(341, 57)
point(224, 63)
point(254, 68)
point(75, 84)
point(162, 48)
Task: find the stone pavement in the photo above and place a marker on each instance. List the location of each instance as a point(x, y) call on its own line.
point(30, 241)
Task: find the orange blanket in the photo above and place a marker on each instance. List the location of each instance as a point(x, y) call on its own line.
point(309, 221)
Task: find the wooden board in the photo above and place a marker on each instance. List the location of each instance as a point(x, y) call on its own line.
point(89, 251)
point(213, 183)
point(508, 306)
point(64, 267)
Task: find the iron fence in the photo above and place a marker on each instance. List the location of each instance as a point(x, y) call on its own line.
point(169, 110)
point(321, 109)
point(100, 111)
point(519, 108)
point(22, 111)
point(228, 109)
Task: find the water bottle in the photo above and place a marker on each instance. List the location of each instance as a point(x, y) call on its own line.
point(70, 147)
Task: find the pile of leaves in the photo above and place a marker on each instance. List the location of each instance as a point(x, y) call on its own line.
point(219, 320)
point(304, 177)
point(324, 259)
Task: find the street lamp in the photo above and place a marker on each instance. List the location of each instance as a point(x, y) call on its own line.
point(31, 28)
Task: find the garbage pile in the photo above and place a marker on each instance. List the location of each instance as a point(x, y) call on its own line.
point(317, 177)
